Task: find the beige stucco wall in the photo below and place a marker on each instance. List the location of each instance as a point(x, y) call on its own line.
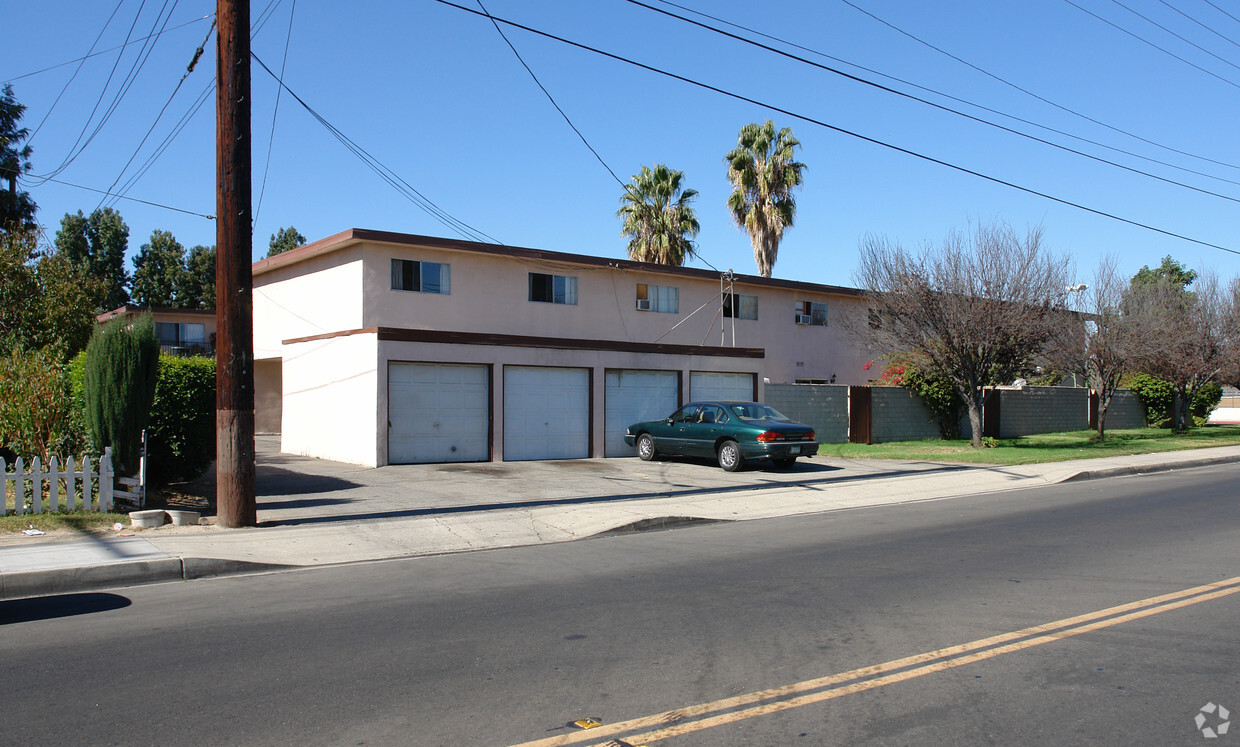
point(330, 399)
point(490, 294)
point(320, 295)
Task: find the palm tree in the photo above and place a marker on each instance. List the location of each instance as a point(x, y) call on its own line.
point(657, 217)
point(763, 174)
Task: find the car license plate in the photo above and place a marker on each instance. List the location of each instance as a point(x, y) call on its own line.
point(795, 450)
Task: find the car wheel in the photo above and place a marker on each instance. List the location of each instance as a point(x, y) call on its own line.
point(730, 456)
point(645, 447)
point(785, 462)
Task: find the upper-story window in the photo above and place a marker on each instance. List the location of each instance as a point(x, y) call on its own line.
point(181, 333)
point(740, 306)
point(423, 277)
point(811, 313)
point(665, 298)
point(553, 288)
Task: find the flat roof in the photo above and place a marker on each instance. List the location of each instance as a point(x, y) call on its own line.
point(355, 236)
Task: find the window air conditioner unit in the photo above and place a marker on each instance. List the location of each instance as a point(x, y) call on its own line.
point(804, 319)
point(643, 304)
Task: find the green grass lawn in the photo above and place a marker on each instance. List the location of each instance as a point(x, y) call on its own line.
point(1046, 447)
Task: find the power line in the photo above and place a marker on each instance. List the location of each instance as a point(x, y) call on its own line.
point(1198, 47)
point(109, 49)
point(548, 94)
point(1031, 94)
point(139, 62)
point(271, 140)
point(188, 70)
point(386, 174)
point(1201, 24)
point(1143, 40)
point(842, 131)
point(950, 97)
point(888, 89)
point(132, 199)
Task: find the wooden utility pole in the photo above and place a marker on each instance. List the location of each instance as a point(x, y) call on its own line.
point(234, 337)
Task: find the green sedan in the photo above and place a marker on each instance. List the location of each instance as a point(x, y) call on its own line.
point(731, 432)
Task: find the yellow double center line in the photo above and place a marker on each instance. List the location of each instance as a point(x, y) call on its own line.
point(717, 713)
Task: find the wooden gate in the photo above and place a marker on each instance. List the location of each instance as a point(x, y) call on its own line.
point(860, 419)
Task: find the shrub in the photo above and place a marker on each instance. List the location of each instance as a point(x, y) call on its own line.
point(939, 395)
point(1156, 397)
point(1204, 402)
point(122, 361)
point(181, 435)
point(36, 409)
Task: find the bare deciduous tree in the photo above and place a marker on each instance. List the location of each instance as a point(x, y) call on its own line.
point(1184, 335)
point(974, 310)
point(1104, 341)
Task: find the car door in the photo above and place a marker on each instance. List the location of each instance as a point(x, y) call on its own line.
point(676, 438)
point(712, 424)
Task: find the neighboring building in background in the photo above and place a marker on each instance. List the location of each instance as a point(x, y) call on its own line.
point(376, 348)
point(180, 331)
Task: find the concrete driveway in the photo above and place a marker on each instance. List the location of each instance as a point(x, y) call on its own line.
point(296, 490)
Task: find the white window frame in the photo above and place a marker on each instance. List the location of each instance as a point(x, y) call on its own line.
point(663, 298)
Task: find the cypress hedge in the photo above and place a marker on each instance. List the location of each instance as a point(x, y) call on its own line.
point(122, 360)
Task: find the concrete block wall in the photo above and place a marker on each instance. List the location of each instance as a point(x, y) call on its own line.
point(1043, 409)
point(1125, 411)
point(899, 415)
point(822, 406)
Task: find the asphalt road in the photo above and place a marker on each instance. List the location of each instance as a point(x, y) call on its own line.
point(721, 634)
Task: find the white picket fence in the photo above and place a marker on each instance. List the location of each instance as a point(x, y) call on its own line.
point(94, 494)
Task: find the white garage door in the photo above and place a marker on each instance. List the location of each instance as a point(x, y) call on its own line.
point(634, 396)
point(546, 413)
point(438, 413)
point(721, 386)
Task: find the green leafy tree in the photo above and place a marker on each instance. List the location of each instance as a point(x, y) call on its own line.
point(657, 217)
point(98, 244)
point(763, 173)
point(45, 300)
point(197, 289)
point(1171, 271)
point(16, 207)
point(283, 240)
point(158, 271)
point(122, 362)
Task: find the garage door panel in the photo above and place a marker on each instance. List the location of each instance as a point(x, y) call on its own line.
point(721, 386)
point(633, 396)
point(438, 413)
point(546, 413)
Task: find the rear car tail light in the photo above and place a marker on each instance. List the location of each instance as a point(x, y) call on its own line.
point(770, 436)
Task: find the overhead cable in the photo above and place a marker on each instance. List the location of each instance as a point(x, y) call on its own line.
point(842, 131)
point(407, 190)
point(941, 107)
point(1031, 94)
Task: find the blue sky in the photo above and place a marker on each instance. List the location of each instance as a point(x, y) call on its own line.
point(434, 94)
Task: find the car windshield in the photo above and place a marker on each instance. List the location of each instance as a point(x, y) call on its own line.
point(755, 411)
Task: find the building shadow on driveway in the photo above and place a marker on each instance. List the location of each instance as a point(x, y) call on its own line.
point(816, 481)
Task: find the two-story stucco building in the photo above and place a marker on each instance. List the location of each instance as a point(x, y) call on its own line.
point(379, 348)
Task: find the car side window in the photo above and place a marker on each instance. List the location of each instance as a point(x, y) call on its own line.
point(711, 414)
point(686, 414)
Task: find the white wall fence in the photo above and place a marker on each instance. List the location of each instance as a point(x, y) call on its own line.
point(68, 486)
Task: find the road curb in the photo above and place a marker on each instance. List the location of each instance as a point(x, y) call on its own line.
point(1145, 469)
point(45, 582)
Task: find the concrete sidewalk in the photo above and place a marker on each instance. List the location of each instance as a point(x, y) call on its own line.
point(313, 512)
